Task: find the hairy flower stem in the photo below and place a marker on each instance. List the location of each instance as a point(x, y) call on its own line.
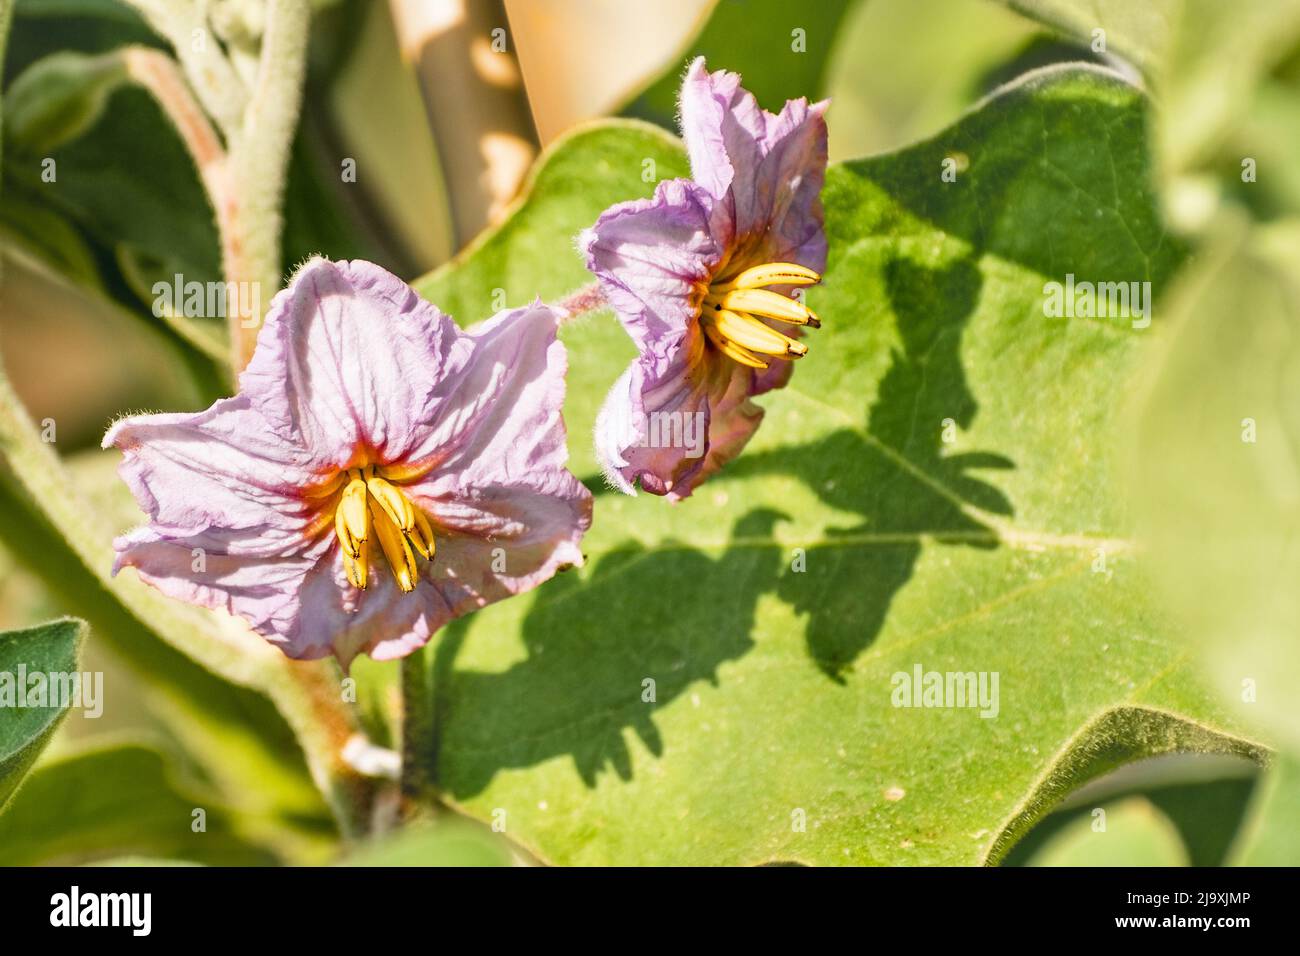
point(259, 164)
point(419, 732)
point(245, 181)
point(182, 23)
point(587, 299)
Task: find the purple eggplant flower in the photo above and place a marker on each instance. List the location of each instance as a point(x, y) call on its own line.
point(379, 473)
point(703, 277)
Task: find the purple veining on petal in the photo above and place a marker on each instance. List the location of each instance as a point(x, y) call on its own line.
point(349, 356)
point(651, 255)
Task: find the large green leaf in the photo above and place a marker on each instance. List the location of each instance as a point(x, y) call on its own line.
point(772, 685)
point(52, 648)
point(114, 800)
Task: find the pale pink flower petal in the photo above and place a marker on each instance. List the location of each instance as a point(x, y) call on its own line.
point(356, 377)
point(663, 262)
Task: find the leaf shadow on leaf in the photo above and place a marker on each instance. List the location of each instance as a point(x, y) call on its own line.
point(585, 678)
point(591, 641)
point(582, 683)
point(894, 475)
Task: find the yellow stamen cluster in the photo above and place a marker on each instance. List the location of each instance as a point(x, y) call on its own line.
point(370, 506)
point(733, 309)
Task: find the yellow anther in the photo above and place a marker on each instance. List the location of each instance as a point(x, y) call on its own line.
point(730, 349)
point(394, 503)
point(421, 536)
point(395, 547)
point(370, 507)
point(751, 334)
point(358, 566)
point(770, 304)
point(732, 313)
point(772, 273)
point(350, 520)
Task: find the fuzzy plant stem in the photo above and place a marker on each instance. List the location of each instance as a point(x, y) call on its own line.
point(419, 733)
point(582, 301)
point(245, 180)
